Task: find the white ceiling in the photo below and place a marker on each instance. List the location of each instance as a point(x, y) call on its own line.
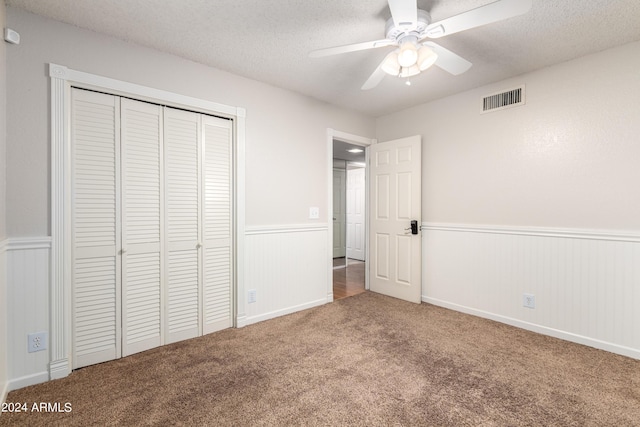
point(269, 40)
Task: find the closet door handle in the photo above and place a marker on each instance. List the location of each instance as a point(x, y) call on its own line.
point(123, 251)
point(198, 245)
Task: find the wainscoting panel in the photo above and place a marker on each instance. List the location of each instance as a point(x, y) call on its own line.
point(28, 308)
point(287, 268)
point(4, 343)
point(586, 284)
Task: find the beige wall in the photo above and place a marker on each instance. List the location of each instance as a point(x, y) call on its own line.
point(285, 140)
point(568, 158)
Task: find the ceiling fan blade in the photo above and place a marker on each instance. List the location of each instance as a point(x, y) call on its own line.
point(376, 77)
point(448, 60)
point(404, 13)
point(350, 48)
point(497, 11)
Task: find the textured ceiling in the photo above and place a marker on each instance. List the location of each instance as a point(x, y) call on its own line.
point(269, 40)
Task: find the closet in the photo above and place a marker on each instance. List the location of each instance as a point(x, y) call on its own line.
point(151, 203)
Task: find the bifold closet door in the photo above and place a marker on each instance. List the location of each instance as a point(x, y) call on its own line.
point(95, 227)
point(142, 220)
point(218, 214)
point(152, 209)
point(182, 133)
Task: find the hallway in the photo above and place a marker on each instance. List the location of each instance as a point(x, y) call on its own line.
point(348, 281)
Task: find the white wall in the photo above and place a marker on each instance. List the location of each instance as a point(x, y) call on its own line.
point(568, 158)
point(284, 132)
point(3, 233)
point(541, 198)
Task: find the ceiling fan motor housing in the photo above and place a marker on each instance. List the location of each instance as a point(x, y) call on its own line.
point(397, 34)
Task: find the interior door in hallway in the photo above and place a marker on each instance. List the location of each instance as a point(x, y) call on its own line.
point(395, 264)
point(339, 213)
point(356, 213)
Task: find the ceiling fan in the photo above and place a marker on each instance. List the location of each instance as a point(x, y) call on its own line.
point(409, 27)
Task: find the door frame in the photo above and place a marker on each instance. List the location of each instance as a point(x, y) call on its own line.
point(60, 300)
point(362, 142)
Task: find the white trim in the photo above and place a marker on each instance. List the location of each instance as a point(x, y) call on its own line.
point(571, 233)
point(4, 386)
point(143, 93)
point(350, 138)
point(25, 243)
point(62, 78)
point(289, 228)
point(567, 336)
point(239, 183)
point(28, 380)
point(4, 392)
point(284, 311)
point(60, 292)
point(363, 142)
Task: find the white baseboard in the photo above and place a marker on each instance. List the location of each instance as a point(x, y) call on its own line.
point(4, 391)
point(28, 380)
point(241, 321)
point(567, 336)
point(284, 311)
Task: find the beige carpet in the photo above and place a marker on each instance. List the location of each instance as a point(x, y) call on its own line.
point(364, 360)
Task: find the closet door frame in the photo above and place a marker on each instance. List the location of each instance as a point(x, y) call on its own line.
point(62, 79)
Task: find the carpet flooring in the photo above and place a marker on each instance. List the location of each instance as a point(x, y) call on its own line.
point(367, 360)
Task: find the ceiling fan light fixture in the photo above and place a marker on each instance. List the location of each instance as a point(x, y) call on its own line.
point(426, 58)
point(390, 64)
point(410, 71)
point(408, 54)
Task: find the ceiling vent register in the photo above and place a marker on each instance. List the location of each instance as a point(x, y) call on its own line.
point(502, 100)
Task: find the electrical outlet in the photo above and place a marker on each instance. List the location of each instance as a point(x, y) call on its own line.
point(252, 296)
point(314, 213)
point(37, 342)
point(529, 301)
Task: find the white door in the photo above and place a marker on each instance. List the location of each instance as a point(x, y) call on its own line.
point(151, 225)
point(141, 130)
point(339, 213)
point(218, 224)
point(182, 133)
point(95, 207)
point(355, 213)
point(395, 258)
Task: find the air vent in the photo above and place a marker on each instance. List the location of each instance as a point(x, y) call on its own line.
point(502, 100)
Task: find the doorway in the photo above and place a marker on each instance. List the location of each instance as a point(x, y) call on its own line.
point(349, 220)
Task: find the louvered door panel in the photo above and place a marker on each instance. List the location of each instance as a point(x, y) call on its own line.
point(218, 276)
point(182, 168)
point(141, 225)
point(95, 227)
